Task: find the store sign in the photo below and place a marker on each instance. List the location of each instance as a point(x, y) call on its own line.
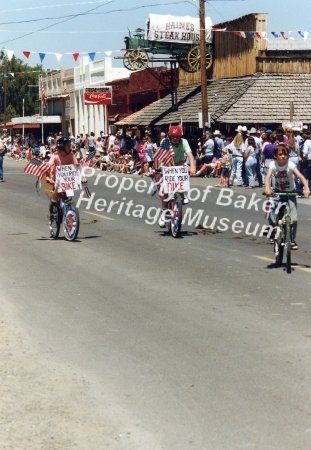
point(177, 29)
point(98, 96)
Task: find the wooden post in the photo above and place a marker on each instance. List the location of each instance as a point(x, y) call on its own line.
point(203, 66)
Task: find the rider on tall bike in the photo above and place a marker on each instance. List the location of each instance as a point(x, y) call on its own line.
point(63, 156)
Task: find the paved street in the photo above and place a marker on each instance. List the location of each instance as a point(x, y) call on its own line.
point(130, 339)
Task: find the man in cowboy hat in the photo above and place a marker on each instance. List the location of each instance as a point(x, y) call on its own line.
point(219, 144)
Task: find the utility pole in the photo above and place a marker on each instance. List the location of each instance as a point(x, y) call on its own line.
point(5, 97)
point(203, 65)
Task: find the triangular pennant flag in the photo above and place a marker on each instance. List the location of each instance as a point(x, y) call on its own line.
point(76, 55)
point(9, 54)
point(282, 33)
point(258, 35)
point(301, 33)
point(58, 57)
point(274, 34)
point(252, 34)
point(27, 54)
point(218, 29)
point(92, 55)
point(239, 34)
point(42, 56)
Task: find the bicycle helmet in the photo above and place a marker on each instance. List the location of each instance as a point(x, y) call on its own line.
point(175, 130)
point(63, 141)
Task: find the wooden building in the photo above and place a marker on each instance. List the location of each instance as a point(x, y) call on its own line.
point(248, 83)
point(139, 90)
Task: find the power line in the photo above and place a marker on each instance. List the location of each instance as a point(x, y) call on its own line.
point(73, 16)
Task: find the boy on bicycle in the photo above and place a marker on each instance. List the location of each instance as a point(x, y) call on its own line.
point(284, 172)
point(182, 151)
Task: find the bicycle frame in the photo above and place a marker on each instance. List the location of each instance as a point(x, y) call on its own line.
point(283, 236)
point(174, 208)
point(67, 214)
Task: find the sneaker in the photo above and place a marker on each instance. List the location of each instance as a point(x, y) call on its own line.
point(185, 200)
point(162, 221)
point(294, 246)
point(266, 231)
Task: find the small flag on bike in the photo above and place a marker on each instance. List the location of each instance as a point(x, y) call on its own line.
point(36, 167)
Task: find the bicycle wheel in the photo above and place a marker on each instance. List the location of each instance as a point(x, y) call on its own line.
point(174, 225)
point(288, 245)
point(279, 248)
point(55, 220)
point(71, 222)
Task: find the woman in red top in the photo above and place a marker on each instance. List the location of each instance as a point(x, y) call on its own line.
point(63, 156)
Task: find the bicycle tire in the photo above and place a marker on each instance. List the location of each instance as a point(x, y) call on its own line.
point(288, 245)
point(71, 222)
point(55, 221)
point(279, 248)
point(174, 225)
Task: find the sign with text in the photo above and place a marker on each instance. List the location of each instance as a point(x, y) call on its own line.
point(68, 179)
point(175, 179)
point(179, 29)
point(292, 124)
point(98, 95)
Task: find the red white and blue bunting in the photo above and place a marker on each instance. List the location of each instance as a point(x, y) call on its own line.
point(257, 35)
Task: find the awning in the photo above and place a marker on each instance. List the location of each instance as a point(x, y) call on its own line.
point(26, 126)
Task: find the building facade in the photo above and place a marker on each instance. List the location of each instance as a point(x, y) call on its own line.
point(65, 95)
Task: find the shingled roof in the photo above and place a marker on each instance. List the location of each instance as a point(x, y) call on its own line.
point(257, 99)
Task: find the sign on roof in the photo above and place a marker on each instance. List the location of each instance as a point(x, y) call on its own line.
point(179, 29)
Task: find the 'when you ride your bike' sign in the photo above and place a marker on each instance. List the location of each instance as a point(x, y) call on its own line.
point(68, 179)
point(175, 179)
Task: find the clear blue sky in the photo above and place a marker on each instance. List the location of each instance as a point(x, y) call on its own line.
point(68, 26)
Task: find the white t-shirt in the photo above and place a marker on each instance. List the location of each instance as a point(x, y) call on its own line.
point(284, 176)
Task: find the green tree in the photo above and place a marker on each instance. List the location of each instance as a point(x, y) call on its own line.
point(19, 86)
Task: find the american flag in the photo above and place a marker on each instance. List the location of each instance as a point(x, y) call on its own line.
point(163, 157)
point(88, 159)
point(44, 101)
point(36, 167)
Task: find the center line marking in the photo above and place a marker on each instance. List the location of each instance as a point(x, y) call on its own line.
point(99, 215)
point(294, 266)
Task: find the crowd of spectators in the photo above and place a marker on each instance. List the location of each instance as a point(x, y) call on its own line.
point(241, 158)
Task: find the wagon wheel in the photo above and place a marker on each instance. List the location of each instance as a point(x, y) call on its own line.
point(194, 59)
point(137, 59)
point(183, 62)
point(126, 61)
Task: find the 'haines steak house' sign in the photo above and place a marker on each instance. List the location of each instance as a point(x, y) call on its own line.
point(98, 96)
point(179, 29)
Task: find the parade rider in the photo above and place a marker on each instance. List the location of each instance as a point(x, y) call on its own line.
point(182, 154)
point(63, 156)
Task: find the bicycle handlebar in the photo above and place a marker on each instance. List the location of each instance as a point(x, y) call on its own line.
point(284, 194)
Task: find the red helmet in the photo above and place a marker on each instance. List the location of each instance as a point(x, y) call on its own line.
point(175, 130)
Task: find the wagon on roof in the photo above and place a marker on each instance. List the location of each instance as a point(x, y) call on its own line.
point(177, 36)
